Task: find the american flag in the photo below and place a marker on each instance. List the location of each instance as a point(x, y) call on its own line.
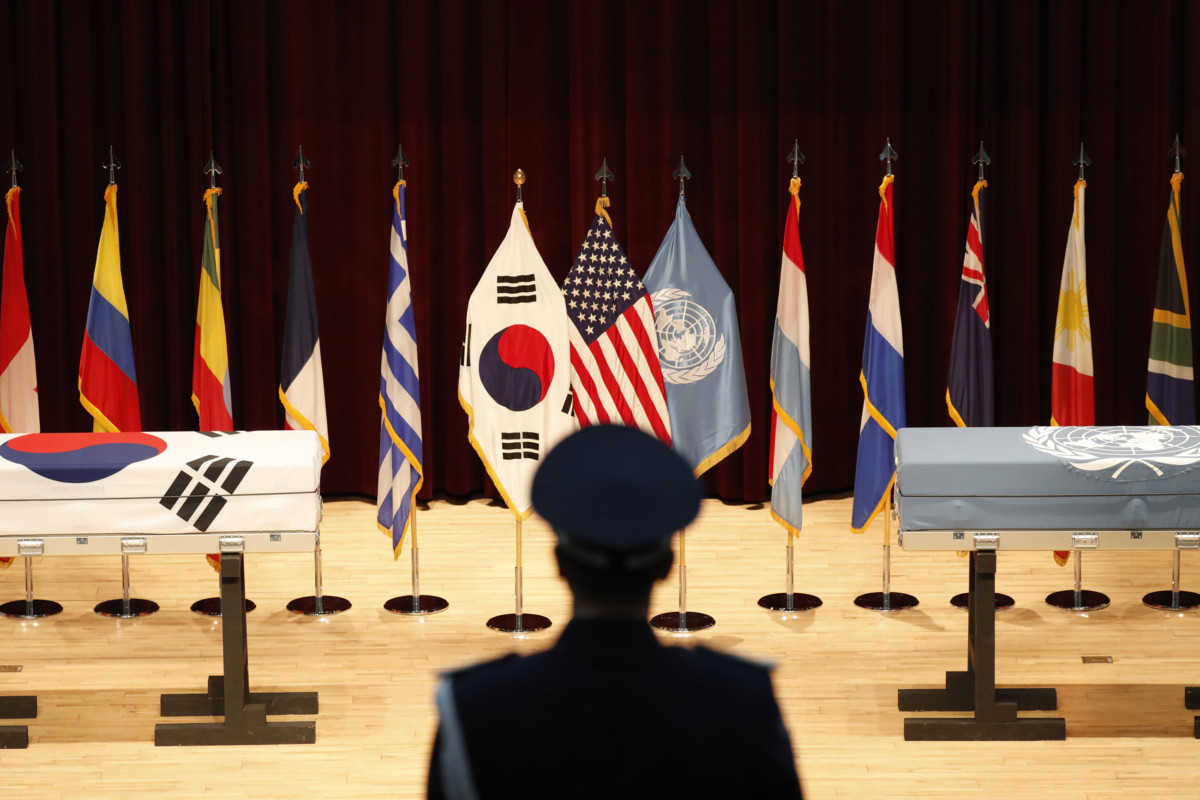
point(616, 377)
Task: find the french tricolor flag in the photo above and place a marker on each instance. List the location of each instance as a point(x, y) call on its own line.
point(301, 381)
point(882, 375)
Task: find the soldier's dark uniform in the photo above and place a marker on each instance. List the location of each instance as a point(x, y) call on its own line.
point(608, 712)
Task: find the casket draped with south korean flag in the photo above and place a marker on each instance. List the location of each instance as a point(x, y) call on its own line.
point(177, 492)
point(1049, 488)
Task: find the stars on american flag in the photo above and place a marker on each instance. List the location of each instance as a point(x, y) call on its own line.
point(601, 284)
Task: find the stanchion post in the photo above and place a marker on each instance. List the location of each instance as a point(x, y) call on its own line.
point(318, 604)
point(789, 600)
point(1077, 598)
point(887, 600)
point(127, 606)
point(29, 608)
point(682, 621)
point(1175, 599)
point(519, 622)
point(415, 604)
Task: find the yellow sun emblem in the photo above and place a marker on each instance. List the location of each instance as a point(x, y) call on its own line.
point(1073, 319)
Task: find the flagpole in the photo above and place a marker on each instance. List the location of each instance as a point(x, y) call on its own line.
point(682, 621)
point(126, 606)
point(1174, 599)
point(416, 603)
point(962, 600)
point(29, 608)
point(413, 604)
point(789, 601)
point(1077, 598)
point(211, 606)
point(520, 622)
point(887, 600)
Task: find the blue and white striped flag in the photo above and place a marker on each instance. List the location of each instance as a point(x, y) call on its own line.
point(791, 381)
point(399, 393)
point(882, 376)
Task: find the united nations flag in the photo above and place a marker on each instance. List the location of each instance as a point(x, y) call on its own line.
point(699, 348)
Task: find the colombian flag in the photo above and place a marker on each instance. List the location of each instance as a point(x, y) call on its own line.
point(210, 360)
point(107, 379)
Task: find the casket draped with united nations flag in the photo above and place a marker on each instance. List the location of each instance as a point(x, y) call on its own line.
point(1048, 488)
point(80, 493)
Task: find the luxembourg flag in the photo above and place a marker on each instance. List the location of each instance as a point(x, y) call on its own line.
point(107, 378)
point(791, 382)
point(301, 382)
point(18, 372)
point(1071, 389)
point(882, 376)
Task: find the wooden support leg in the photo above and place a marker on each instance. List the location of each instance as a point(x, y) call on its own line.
point(16, 737)
point(229, 695)
point(975, 689)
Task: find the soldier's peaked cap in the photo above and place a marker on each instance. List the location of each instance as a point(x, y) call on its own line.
point(615, 488)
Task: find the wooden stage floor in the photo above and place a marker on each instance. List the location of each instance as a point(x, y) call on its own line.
point(98, 680)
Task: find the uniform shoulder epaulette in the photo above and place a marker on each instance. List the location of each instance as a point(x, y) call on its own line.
point(734, 658)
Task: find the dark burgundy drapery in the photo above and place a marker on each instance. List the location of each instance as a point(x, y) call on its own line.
point(477, 89)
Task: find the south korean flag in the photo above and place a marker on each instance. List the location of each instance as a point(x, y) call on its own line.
point(514, 377)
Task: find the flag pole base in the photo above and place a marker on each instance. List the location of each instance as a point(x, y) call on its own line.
point(519, 623)
point(416, 606)
point(323, 606)
point(1003, 601)
point(789, 601)
point(886, 601)
point(682, 622)
point(211, 606)
point(1082, 600)
point(30, 609)
point(126, 609)
point(1163, 599)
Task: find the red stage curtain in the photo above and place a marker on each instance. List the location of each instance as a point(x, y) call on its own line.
point(476, 89)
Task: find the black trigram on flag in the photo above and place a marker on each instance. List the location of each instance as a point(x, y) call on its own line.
point(464, 360)
point(218, 434)
point(569, 403)
point(520, 444)
point(516, 289)
point(196, 492)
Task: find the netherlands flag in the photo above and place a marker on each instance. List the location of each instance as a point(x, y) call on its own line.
point(791, 381)
point(882, 376)
point(301, 382)
point(107, 379)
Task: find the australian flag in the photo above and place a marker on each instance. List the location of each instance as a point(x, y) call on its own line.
point(969, 385)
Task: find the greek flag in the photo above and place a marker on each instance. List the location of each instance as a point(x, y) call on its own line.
point(399, 393)
point(699, 348)
point(882, 376)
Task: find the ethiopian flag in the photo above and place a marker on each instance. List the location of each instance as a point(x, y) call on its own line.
point(210, 359)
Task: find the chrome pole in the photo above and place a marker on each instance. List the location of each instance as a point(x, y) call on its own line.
point(29, 584)
point(416, 568)
point(125, 585)
point(791, 572)
point(1175, 580)
point(519, 588)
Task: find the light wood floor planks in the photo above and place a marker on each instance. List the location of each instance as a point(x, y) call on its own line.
point(98, 680)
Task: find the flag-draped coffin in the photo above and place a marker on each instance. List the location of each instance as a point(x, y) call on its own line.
point(18, 371)
point(302, 382)
point(699, 346)
point(882, 375)
point(616, 377)
point(210, 357)
point(514, 377)
point(400, 453)
point(107, 378)
point(969, 389)
point(791, 382)
point(1170, 386)
point(1071, 390)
